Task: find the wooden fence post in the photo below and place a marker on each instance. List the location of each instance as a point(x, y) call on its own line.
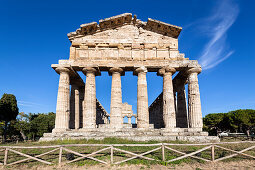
point(60, 155)
point(213, 149)
point(163, 151)
point(5, 156)
point(111, 154)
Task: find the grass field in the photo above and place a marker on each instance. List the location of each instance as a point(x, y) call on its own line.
point(119, 156)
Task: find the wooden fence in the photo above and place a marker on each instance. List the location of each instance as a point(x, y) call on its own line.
point(162, 148)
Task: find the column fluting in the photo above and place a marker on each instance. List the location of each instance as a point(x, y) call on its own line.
point(169, 115)
point(195, 113)
point(89, 108)
point(116, 98)
point(77, 107)
point(142, 99)
point(72, 108)
point(63, 100)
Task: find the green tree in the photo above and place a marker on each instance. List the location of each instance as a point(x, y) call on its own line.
point(212, 122)
point(41, 123)
point(22, 125)
point(8, 110)
point(242, 120)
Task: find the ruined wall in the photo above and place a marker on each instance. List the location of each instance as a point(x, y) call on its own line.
point(156, 112)
point(102, 115)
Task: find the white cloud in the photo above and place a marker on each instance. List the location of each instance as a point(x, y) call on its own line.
point(29, 104)
point(217, 25)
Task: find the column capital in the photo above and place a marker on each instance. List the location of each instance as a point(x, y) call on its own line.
point(116, 69)
point(165, 70)
point(91, 70)
point(62, 69)
point(194, 70)
point(141, 69)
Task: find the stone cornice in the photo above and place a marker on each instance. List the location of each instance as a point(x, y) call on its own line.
point(123, 19)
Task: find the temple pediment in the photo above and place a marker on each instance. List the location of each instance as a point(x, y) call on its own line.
point(124, 37)
point(114, 22)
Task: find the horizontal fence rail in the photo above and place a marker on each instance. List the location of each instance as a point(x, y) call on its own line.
point(164, 151)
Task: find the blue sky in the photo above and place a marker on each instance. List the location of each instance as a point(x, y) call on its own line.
point(220, 34)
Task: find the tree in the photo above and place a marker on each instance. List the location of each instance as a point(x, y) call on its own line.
point(212, 121)
point(22, 124)
point(242, 120)
point(41, 123)
point(8, 110)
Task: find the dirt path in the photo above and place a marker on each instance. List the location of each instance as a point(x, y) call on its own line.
point(240, 165)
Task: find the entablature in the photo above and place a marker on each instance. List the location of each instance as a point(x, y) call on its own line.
point(106, 65)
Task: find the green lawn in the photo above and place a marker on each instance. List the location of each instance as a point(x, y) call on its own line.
point(119, 156)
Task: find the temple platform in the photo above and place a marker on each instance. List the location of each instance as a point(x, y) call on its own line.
point(181, 134)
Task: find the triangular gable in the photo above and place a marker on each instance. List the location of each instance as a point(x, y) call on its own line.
point(125, 19)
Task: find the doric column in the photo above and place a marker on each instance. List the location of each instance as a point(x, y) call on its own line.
point(181, 116)
point(129, 120)
point(142, 99)
point(72, 108)
point(77, 107)
point(168, 98)
point(63, 103)
point(89, 108)
point(195, 113)
point(81, 105)
point(116, 98)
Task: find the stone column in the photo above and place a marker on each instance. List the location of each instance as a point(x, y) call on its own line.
point(116, 98)
point(81, 105)
point(77, 107)
point(195, 113)
point(181, 116)
point(89, 108)
point(169, 115)
point(142, 99)
point(63, 101)
point(129, 120)
point(72, 108)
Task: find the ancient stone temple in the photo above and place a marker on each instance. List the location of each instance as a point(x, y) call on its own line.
point(117, 45)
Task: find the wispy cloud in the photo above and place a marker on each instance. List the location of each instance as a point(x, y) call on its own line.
point(216, 26)
point(29, 104)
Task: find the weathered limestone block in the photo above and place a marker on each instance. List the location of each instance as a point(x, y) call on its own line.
point(142, 99)
point(125, 54)
point(116, 98)
point(168, 98)
point(109, 54)
point(89, 110)
point(63, 101)
point(137, 54)
point(195, 113)
point(84, 54)
point(163, 54)
point(174, 53)
point(150, 54)
point(72, 53)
